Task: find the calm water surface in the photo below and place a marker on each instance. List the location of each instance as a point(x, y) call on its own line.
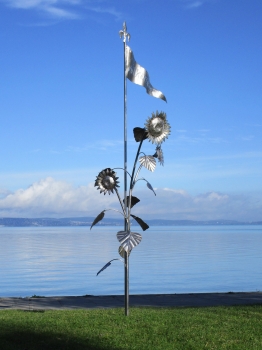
point(175, 259)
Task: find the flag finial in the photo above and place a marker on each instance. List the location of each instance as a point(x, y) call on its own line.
point(123, 33)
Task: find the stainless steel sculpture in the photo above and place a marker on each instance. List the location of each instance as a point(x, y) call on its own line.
point(156, 130)
point(107, 182)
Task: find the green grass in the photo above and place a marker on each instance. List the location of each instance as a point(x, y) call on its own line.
point(235, 327)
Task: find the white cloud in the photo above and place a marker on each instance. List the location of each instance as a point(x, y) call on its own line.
point(193, 4)
point(49, 197)
point(60, 13)
point(247, 138)
point(180, 205)
point(196, 137)
point(181, 192)
point(62, 9)
point(52, 198)
point(25, 4)
point(211, 197)
point(4, 193)
point(55, 8)
point(111, 11)
point(100, 145)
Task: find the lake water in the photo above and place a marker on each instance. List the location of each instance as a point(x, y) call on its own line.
point(171, 259)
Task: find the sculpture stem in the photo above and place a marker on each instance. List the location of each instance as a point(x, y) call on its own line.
point(132, 184)
point(134, 167)
point(120, 201)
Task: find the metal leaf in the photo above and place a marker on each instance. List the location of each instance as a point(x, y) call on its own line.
point(150, 187)
point(139, 134)
point(148, 162)
point(98, 218)
point(122, 252)
point(134, 200)
point(143, 225)
point(128, 240)
point(106, 265)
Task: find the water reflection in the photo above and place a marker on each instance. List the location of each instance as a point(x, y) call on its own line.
point(65, 260)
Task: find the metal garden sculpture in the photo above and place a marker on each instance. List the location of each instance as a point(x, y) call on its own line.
point(156, 130)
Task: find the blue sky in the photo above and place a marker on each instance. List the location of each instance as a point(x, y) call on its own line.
point(61, 105)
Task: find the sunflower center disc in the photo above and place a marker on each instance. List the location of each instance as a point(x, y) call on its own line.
point(157, 125)
point(108, 182)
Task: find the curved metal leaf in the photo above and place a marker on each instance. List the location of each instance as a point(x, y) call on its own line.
point(128, 240)
point(98, 218)
point(122, 252)
point(106, 265)
point(143, 225)
point(134, 200)
point(150, 187)
point(148, 162)
point(140, 134)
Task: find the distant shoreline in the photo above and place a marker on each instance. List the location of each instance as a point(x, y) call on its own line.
point(87, 221)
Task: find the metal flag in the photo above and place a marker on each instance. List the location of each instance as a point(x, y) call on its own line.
point(138, 75)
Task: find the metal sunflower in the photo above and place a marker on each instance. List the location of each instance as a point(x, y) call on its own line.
point(157, 127)
point(159, 155)
point(106, 181)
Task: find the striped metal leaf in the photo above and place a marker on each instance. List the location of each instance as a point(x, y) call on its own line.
point(148, 162)
point(128, 240)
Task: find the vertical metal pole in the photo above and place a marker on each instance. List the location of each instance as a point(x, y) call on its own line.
point(125, 184)
point(123, 33)
point(126, 284)
point(125, 134)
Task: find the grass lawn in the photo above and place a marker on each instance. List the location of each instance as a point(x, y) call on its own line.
point(234, 327)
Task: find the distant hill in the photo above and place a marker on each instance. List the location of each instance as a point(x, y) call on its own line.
point(87, 221)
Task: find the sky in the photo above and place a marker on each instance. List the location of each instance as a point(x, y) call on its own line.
point(62, 102)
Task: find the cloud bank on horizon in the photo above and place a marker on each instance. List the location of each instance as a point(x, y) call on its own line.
point(51, 198)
